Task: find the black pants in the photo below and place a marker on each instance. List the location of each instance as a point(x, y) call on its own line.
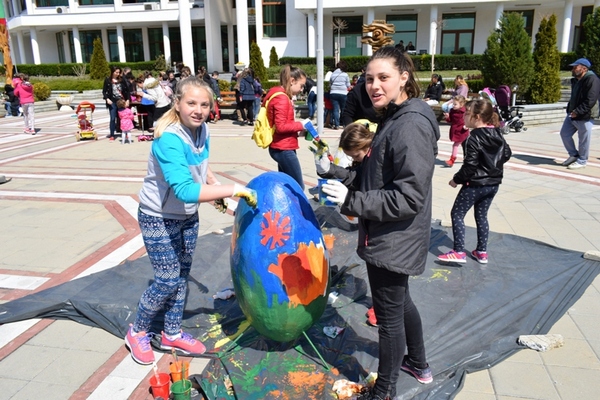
point(247, 110)
point(147, 120)
point(399, 327)
point(481, 197)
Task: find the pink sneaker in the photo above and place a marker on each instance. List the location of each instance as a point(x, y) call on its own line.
point(139, 346)
point(454, 256)
point(185, 343)
point(371, 318)
point(480, 256)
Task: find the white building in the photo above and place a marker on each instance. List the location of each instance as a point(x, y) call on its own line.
point(217, 33)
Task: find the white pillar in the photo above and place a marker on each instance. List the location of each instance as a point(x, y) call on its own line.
point(21, 42)
point(73, 5)
point(118, 4)
point(77, 46)
point(11, 43)
point(499, 11)
point(566, 30)
point(35, 48)
point(230, 45)
point(167, 43)
point(311, 34)
point(146, 43)
point(185, 28)
point(212, 21)
point(370, 17)
point(121, 44)
point(241, 16)
point(29, 6)
point(596, 4)
point(433, 17)
point(15, 6)
point(105, 44)
point(67, 47)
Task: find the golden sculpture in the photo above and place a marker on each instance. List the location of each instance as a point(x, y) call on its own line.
point(378, 29)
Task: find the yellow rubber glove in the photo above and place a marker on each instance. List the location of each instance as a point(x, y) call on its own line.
point(245, 193)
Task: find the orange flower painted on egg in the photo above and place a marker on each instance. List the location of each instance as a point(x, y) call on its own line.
point(274, 230)
point(304, 273)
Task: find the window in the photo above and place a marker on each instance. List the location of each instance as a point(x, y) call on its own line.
point(156, 42)
point(86, 39)
point(199, 43)
point(60, 47)
point(134, 47)
point(406, 28)
point(528, 17)
point(350, 38)
point(225, 47)
point(175, 40)
point(274, 18)
point(95, 2)
point(457, 33)
point(51, 3)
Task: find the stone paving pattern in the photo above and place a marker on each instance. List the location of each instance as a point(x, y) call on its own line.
point(70, 209)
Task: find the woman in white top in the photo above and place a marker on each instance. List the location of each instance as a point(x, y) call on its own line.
point(339, 86)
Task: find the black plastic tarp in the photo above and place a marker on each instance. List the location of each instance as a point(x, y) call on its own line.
point(472, 314)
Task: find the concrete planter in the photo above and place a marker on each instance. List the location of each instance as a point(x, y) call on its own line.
point(65, 101)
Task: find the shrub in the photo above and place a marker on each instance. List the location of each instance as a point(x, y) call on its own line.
point(160, 64)
point(224, 86)
point(257, 64)
point(98, 65)
point(41, 91)
point(545, 85)
point(590, 45)
point(273, 58)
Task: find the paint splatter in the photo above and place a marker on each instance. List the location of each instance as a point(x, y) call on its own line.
point(440, 274)
point(275, 231)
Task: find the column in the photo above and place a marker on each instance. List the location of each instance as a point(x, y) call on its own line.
point(214, 55)
point(499, 11)
point(370, 18)
point(121, 44)
point(230, 43)
point(146, 44)
point(105, 44)
point(77, 46)
point(21, 42)
point(67, 47)
point(566, 30)
point(241, 14)
point(35, 47)
point(433, 17)
point(185, 27)
point(29, 6)
point(311, 34)
point(167, 43)
point(16, 8)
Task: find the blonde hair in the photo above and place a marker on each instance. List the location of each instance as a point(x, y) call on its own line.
point(172, 117)
point(356, 137)
point(460, 80)
point(287, 74)
point(458, 99)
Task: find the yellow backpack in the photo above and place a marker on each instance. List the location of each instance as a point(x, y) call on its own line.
point(263, 133)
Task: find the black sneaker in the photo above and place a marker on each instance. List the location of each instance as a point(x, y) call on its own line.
point(422, 375)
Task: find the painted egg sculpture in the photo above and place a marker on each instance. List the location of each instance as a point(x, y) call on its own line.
point(279, 265)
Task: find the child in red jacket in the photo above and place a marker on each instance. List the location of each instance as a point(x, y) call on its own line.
point(25, 92)
point(458, 132)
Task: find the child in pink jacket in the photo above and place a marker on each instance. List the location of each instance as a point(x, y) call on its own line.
point(24, 89)
point(126, 117)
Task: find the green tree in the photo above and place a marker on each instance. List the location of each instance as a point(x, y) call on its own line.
point(590, 45)
point(545, 85)
point(99, 68)
point(508, 59)
point(273, 58)
point(160, 64)
point(257, 64)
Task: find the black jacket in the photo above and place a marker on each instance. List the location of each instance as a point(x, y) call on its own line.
point(358, 106)
point(434, 92)
point(107, 92)
point(486, 151)
point(584, 95)
point(391, 192)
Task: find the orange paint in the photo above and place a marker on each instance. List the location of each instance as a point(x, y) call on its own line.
point(274, 230)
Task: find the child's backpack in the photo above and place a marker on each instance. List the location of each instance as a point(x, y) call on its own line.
point(263, 133)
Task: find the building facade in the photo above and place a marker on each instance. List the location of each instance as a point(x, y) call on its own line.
point(218, 33)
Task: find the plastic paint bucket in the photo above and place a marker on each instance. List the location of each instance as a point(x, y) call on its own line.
point(182, 390)
point(329, 240)
point(160, 385)
point(175, 369)
point(322, 195)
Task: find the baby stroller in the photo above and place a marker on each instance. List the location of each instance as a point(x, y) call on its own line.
point(511, 115)
point(85, 121)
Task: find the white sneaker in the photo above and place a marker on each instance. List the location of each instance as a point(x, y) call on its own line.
point(575, 165)
point(569, 161)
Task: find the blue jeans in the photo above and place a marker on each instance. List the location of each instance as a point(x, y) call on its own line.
point(288, 163)
point(170, 244)
point(400, 327)
point(256, 106)
point(339, 102)
point(584, 131)
point(481, 198)
point(311, 101)
point(113, 112)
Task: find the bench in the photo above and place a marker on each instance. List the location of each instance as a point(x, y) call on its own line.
point(437, 108)
point(227, 99)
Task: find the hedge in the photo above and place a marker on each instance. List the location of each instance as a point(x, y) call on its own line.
point(66, 69)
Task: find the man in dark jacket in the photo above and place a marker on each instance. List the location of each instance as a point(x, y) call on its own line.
point(358, 106)
point(585, 89)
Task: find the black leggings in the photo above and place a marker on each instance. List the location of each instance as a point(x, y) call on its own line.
point(481, 197)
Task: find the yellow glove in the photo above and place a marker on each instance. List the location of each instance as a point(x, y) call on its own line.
point(245, 193)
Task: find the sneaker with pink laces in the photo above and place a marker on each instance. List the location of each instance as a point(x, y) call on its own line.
point(454, 256)
point(139, 346)
point(184, 343)
point(480, 256)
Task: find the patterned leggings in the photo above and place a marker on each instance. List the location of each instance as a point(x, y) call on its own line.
point(170, 244)
point(481, 197)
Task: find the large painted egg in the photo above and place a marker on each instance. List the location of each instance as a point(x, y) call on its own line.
point(279, 265)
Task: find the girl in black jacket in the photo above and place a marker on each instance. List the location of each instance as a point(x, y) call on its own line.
point(486, 151)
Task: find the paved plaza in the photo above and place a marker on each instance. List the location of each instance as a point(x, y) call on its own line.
point(70, 210)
